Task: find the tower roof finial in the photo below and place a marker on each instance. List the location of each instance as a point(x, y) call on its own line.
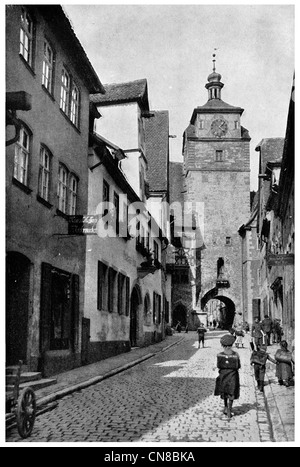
point(214, 61)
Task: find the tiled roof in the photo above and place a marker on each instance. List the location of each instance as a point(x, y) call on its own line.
point(215, 105)
point(58, 19)
point(271, 150)
point(157, 149)
point(122, 93)
point(176, 182)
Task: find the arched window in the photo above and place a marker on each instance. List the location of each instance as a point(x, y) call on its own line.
point(220, 266)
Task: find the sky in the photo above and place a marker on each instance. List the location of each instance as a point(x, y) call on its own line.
point(171, 45)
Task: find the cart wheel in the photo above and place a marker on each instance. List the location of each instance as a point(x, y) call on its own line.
point(26, 412)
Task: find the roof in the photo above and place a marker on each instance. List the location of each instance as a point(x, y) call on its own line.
point(157, 149)
point(58, 20)
point(124, 93)
point(214, 105)
point(271, 150)
point(176, 182)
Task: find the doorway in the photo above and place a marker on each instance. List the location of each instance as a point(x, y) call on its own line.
point(85, 344)
point(180, 316)
point(17, 307)
point(134, 310)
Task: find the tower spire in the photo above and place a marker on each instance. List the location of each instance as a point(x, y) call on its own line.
point(214, 84)
point(214, 61)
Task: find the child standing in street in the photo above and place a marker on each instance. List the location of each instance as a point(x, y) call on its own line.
point(201, 335)
point(259, 360)
point(228, 381)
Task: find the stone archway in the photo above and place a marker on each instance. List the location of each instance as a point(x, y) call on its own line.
point(135, 304)
point(180, 316)
point(227, 312)
point(17, 307)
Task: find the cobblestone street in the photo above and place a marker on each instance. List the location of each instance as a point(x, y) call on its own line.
point(168, 398)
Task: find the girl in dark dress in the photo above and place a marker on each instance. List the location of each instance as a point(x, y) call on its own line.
point(228, 381)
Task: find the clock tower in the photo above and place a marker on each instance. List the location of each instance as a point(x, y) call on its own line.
point(216, 151)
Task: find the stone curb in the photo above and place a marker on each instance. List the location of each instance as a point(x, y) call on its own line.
point(278, 431)
point(90, 382)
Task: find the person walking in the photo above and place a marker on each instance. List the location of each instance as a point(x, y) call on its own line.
point(257, 333)
point(201, 335)
point(277, 330)
point(267, 325)
point(228, 382)
point(259, 360)
point(284, 370)
point(239, 331)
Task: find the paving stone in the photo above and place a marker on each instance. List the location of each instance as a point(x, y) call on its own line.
point(159, 401)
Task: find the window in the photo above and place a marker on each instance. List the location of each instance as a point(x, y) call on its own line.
point(65, 91)
point(69, 97)
point(112, 274)
point(181, 276)
point(220, 268)
point(121, 294)
point(236, 125)
point(147, 310)
point(201, 125)
point(102, 285)
point(156, 308)
point(117, 211)
point(74, 111)
point(22, 152)
point(73, 188)
point(167, 311)
point(62, 189)
point(228, 241)
point(67, 191)
point(156, 251)
point(105, 196)
point(47, 76)
point(105, 200)
point(127, 309)
point(44, 174)
point(26, 37)
point(219, 156)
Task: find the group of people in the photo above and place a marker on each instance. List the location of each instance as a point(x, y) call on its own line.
point(267, 331)
point(228, 362)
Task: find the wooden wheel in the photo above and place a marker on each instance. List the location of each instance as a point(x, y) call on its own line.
point(26, 412)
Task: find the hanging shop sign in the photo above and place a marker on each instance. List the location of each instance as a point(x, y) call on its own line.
point(280, 260)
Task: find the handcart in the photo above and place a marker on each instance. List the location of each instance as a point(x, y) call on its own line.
point(20, 402)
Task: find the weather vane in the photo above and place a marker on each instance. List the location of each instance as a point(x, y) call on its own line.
point(214, 61)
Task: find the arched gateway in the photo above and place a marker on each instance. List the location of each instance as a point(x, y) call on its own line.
point(227, 313)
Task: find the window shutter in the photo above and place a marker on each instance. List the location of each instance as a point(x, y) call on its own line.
point(127, 295)
point(75, 310)
point(159, 309)
point(154, 307)
point(120, 284)
point(45, 311)
point(100, 287)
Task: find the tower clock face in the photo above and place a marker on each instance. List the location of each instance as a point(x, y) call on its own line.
point(219, 127)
